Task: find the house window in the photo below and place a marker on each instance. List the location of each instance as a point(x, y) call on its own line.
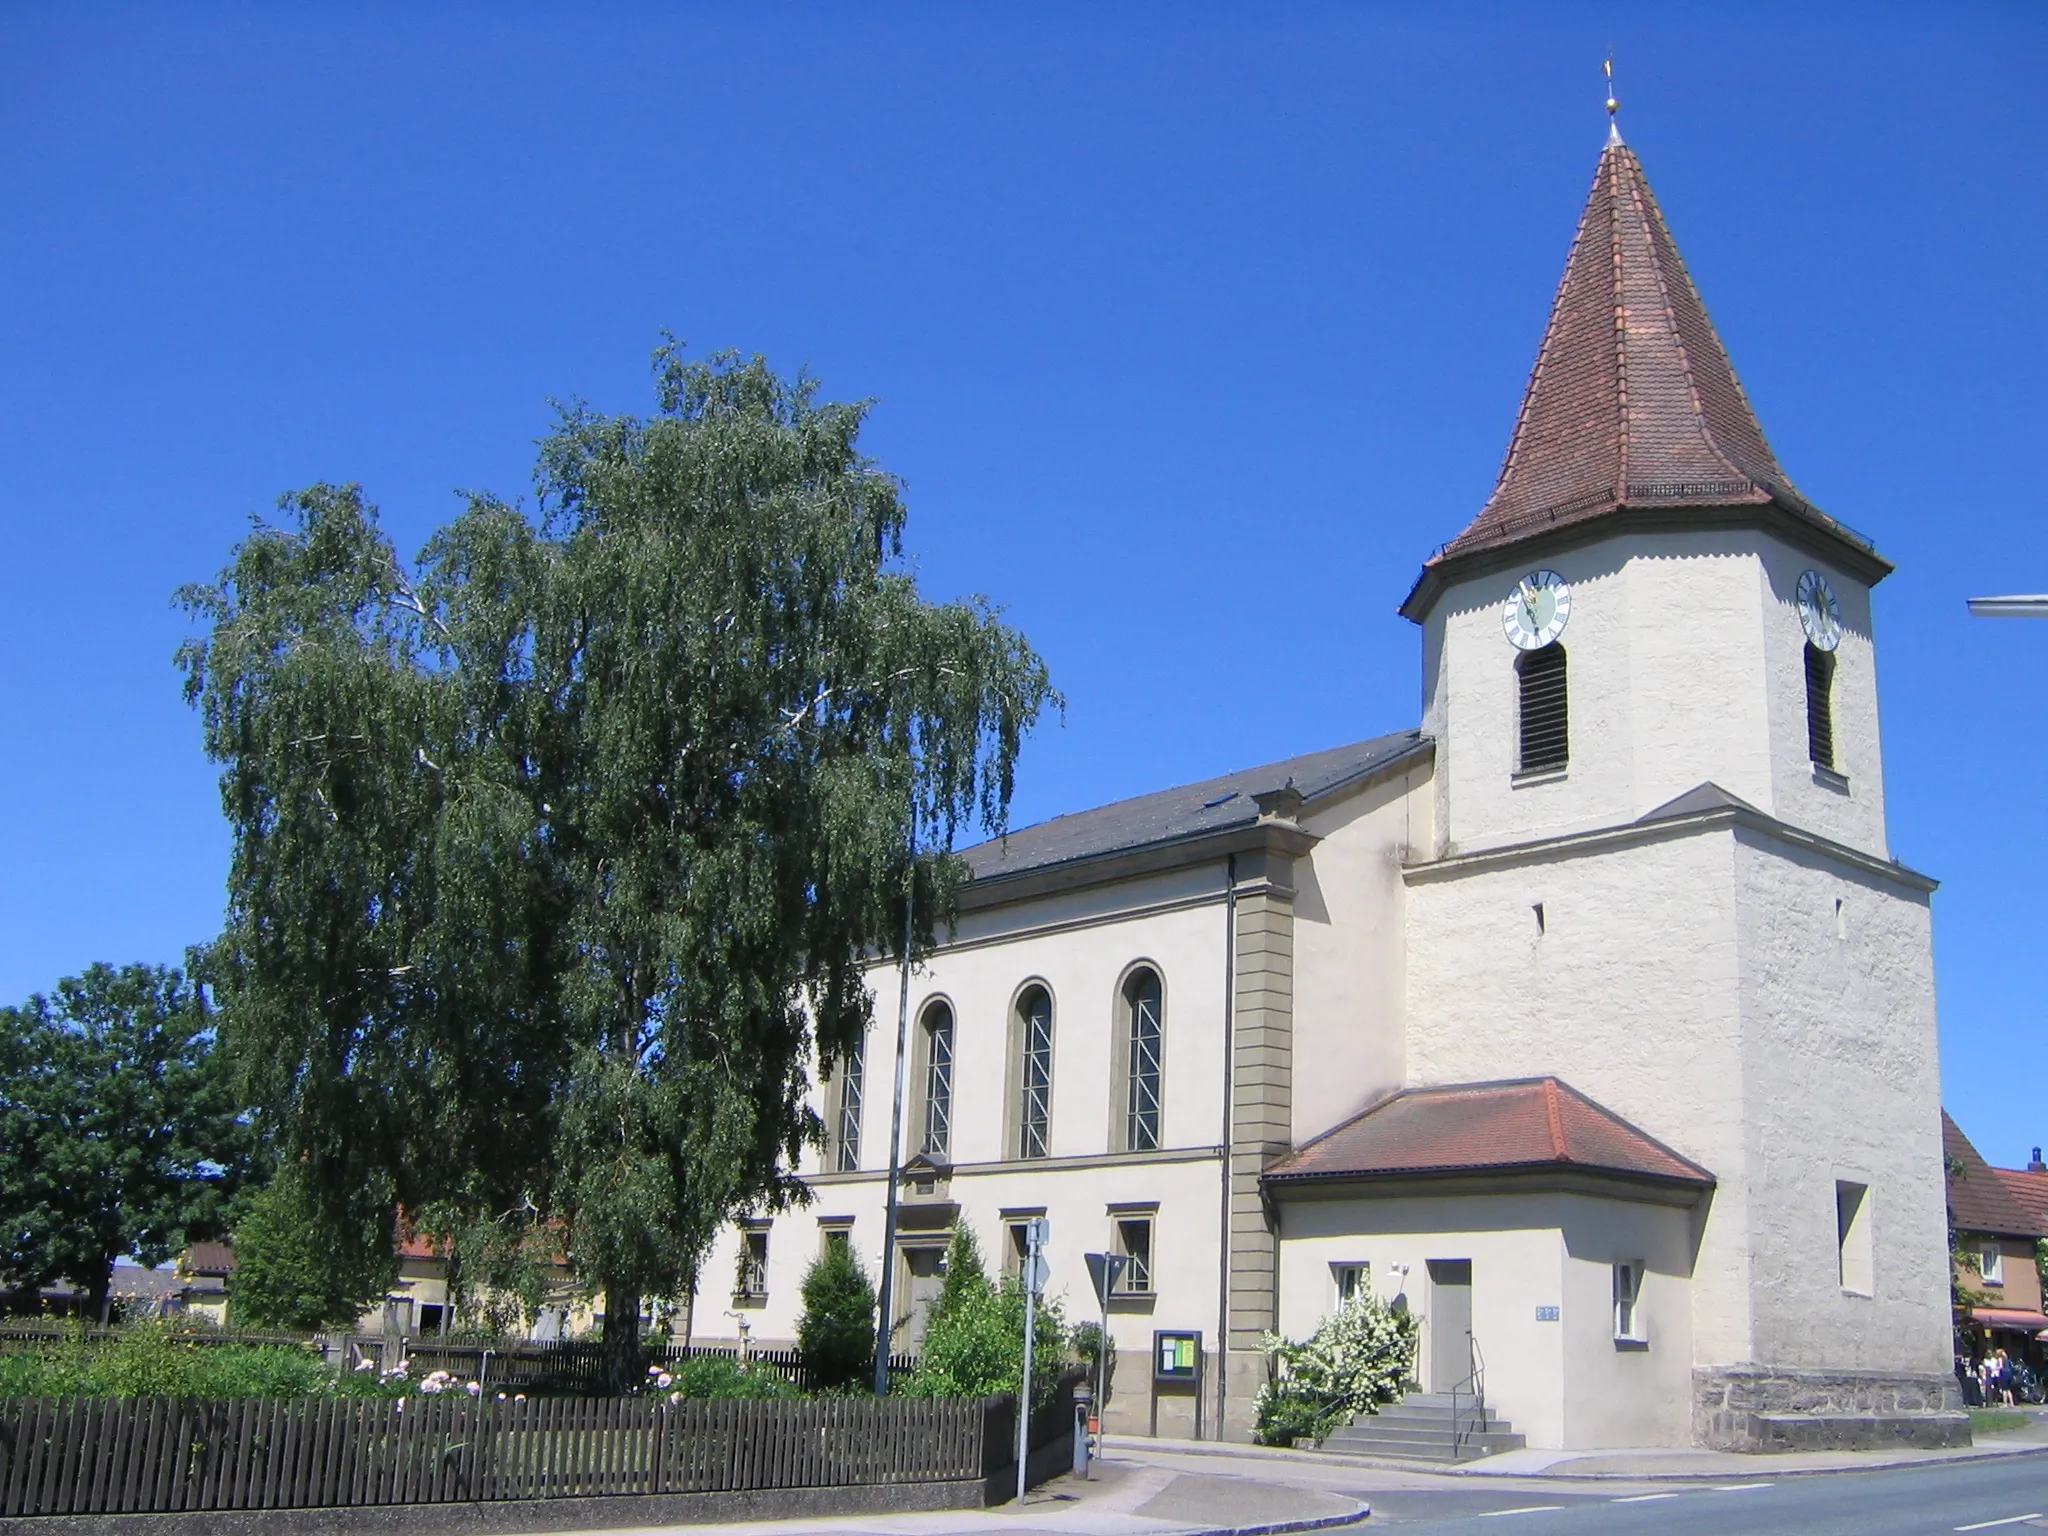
point(1349, 1280)
point(751, 1283)
point(851, 1089)
point(1852, 1235)
point(1142, 1004)
point(1628, 1312)
point(1034, 1109)
point(836, 1234)
point(1020, 1247)
point(938, 1082)
point(1134, 1242)
point(1820, 713)
point(1991, 1263)
point(1545, 728)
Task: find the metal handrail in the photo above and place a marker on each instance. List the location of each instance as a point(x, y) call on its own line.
point(1475, 1381)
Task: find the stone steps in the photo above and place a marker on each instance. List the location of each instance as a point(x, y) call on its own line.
point(1421, 1428)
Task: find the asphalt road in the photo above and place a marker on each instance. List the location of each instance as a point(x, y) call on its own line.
point(1951, 1499)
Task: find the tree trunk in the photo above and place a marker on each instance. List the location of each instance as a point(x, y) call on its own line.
point(624, 1361)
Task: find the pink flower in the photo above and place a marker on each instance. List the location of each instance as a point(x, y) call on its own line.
point(473, 1388)
point(663, 1380)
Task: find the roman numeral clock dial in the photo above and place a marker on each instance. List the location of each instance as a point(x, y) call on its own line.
point(1537, 610)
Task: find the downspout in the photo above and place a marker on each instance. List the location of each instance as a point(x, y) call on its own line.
point(1229, 1073)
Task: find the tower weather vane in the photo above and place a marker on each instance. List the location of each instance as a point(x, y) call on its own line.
point(1613, 105)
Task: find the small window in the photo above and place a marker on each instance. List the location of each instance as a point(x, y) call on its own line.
point(1020, 1247)
point(835, 1235)
point(1349, 1280)
point(1628, 1312)
point(1991, 1264)
point(1852, 1235)
point(751, 1283)
point(938, 1082)
point(1134, 1242)
point(851, 1089)
point(1820, 709)
point(1545, 726)
point(1142, 1002)
point(1034, 1036)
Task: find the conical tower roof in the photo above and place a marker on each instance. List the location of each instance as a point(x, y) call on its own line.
point(1632, 405)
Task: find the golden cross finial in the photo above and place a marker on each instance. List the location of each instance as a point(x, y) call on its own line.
point(1613, 106)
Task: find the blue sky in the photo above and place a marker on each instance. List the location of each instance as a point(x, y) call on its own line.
point(1192, 329)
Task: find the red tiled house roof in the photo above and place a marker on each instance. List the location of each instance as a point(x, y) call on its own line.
point(1525, 1125)
point(1633, 404)
point(2029, 1191)
point(1978, 1200)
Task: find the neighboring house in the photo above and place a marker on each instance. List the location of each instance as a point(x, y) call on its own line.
point(144, 1293)
point(205, 1272)
point(1593, 1020)
point(1996, 1227)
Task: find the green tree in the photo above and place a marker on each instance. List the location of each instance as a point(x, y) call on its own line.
point(557, 860)
point(976, 1346)
point(966, 1275)
point(836, 1334)
point(294, 1271)
point(120, 1132)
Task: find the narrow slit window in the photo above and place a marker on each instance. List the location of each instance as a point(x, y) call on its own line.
point(1545, 723)
point(1820, 707)
point(938, 1082)
point(1628, 1313)
point(1141, 1113)
point(1852, 1236)
point(851, 1088)
point(1034, 1118)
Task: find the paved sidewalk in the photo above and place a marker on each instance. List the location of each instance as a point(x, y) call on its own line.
point(1125, 1498)
point(1653, 1464)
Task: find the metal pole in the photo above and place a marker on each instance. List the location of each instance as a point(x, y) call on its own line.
point(883, 1332)
point(1024, 1386)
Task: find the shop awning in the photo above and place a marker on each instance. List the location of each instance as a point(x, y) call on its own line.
point(2009, 1319)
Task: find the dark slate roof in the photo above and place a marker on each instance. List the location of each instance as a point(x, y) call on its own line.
point(1523, 1124)
point(1704, 797)
point(1632, 403)
point(1190, 810)
point(1978, 1200)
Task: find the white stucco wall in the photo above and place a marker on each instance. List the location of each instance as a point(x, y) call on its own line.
point(1350, 914)
point(1839, 1057)
point(1686, 665)
point(1563, 1384)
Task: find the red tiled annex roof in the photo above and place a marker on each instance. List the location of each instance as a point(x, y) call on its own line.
point(2029, 1191)
point(1978, 1199)
point(210, 1259)
point(1476, 1127)
point(1632, 402)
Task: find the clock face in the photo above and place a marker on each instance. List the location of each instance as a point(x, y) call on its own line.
point(1537, 610)
point(1819, 614)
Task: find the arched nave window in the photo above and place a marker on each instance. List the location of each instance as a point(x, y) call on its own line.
point(1034, 1072)
point(937, 1045)
point(1143, 1004)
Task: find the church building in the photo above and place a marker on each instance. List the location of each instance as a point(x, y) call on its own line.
point(1591, 1020)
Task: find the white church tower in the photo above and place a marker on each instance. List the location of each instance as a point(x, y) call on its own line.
point(1658, 869)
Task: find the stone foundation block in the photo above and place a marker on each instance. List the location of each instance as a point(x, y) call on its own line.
point(1758, 1408)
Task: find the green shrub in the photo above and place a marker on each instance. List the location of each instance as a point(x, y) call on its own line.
point(1086, 1340)
point(836, 1335)
point(151, 1360)
point(975, 1346)
point(1360, 1356)
point(719, 1376)
point(295, 1270)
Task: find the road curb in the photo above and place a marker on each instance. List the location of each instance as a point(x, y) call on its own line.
point(1282, 1527)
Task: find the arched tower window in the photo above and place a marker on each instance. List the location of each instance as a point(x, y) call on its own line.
point(1034, 1076)
point(1545, 722)
point(1142, 1009)
point(938, 1082)
point(1820, 707)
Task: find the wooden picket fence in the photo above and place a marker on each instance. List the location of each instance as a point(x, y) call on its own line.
point(130, 1455)
point(577, 1366)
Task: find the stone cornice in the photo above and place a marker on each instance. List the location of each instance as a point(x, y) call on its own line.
point(1720, 818)
point(1128, 1160)
point(1604, 1183)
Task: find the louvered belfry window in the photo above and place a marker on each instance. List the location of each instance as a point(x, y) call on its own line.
point(1820, 707)
point(1546, 733)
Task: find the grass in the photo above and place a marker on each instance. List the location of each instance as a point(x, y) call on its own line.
point(1995, 1421)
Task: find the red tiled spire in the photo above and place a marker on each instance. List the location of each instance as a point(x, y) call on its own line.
point(1632, 403)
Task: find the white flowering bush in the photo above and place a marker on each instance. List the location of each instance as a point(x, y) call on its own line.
point(1360, 1357)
